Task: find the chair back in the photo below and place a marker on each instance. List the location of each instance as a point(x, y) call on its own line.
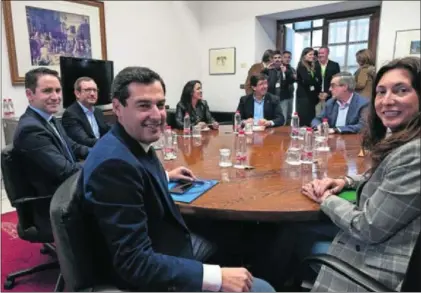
point(72, 237)
point(412, 281)
point(18, 188)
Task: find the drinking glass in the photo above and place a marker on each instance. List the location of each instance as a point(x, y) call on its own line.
point(169, 149)
point(293, 156)
point(225, 158)
point(249, 128)
point(197, 131)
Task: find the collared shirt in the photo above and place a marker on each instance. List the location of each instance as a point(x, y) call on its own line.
point(342, 112)
point(47, 118)
point(258, 109)
point(212, 274)
point(91, 118)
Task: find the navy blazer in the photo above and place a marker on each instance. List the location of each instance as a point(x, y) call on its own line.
point(271, 108)
point(141, 236)
point(354, 118)
point(45, 160)
point(78, 128)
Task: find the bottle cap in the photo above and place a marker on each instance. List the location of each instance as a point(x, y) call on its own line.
point(237, 112)
point(295, 114)
point(168, 127)
point(324, 119)
point(309, 129)
point(241, 131)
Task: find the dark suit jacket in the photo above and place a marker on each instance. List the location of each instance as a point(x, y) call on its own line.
point(77, 125)
point(354, 118)
point(332, 68)
point(46, 161)
point(271, 108)
point(285, 83)
point(141, 236)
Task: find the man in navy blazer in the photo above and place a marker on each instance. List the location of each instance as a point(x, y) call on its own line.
point(346, 111)
point(141, 237)
point(47, 154)
point(261, 107)
point(84, 123)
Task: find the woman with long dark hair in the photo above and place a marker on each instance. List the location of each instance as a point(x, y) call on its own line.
point(378, 233)
point(192, 102)
point(309, 79)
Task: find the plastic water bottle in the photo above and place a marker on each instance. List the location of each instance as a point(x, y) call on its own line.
point(11, 107)
point(295, 125)
point(325, 129)
point(241, 148)
point(307, 153)
point(187, 125)
point(237, 121)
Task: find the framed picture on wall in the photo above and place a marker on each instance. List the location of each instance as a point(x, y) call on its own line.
point(222, 61)
point(39, 32)
point(407, 43)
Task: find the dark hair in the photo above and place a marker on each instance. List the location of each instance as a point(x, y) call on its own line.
point(267, 55)
point(374, 138)
point(32, 76)
point(277, 52)
point(254, 79)
point(142, 75)
point(187, 93)
point(308, 65)
point(286, 52)
point(316, 53)
point(79, 81)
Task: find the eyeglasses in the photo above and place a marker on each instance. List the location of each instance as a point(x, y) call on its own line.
point(89, 90)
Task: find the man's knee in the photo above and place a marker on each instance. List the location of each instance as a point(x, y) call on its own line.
point(260, 285)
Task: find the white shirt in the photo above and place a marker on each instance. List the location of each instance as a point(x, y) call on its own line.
point(342, 112)
point(212, 274)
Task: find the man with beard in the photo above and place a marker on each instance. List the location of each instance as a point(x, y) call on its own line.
point(142, 242)
point(82, 121)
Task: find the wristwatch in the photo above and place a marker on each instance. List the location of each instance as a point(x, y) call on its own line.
point(349, 182)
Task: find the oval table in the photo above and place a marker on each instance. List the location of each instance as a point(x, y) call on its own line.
point(271, 191)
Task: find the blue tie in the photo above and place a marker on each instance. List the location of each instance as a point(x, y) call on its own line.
point(53, 124)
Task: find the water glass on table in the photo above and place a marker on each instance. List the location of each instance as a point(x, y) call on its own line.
point(197, 131)
point(249, 128)
point(293, 156)
point(225, 158)
point(169, 149)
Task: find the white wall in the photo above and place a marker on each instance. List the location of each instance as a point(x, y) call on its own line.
point(233, 23)
point(395, 15)
point(162, 35)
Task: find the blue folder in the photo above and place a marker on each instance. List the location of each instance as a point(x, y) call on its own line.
point(194, 192)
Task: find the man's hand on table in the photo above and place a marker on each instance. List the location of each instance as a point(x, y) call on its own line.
point(181, 173)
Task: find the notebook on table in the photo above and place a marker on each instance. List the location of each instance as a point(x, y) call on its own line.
point(196, 191)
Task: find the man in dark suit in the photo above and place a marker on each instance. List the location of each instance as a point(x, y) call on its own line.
point(328, 68)
point(82, 121)
point(261, 107)
point(47, 155)
point(280, 78)
point(141, 238)
point(346, 110)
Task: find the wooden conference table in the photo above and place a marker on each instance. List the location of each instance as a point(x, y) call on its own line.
point(271, 191)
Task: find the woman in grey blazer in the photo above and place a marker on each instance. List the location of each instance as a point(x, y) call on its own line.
point(378, 233)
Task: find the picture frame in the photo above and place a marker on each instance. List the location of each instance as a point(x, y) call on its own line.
point(222, 61)
point(39, 32)
point(407, 43)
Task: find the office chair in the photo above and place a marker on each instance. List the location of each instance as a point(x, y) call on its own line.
point(32, 213)
point(80, 270)
point(411, 282)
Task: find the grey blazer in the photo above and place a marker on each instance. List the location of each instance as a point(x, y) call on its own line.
point(379, 234)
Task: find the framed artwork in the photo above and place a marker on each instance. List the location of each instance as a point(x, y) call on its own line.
point(222, 61)
point(407, 43)
point(39, 32)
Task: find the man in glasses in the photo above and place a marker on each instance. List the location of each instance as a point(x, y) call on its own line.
point(82, 122)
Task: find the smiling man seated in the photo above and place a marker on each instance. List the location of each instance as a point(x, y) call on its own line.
point(261, 108)
point(142, 240)
point(346, 110)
